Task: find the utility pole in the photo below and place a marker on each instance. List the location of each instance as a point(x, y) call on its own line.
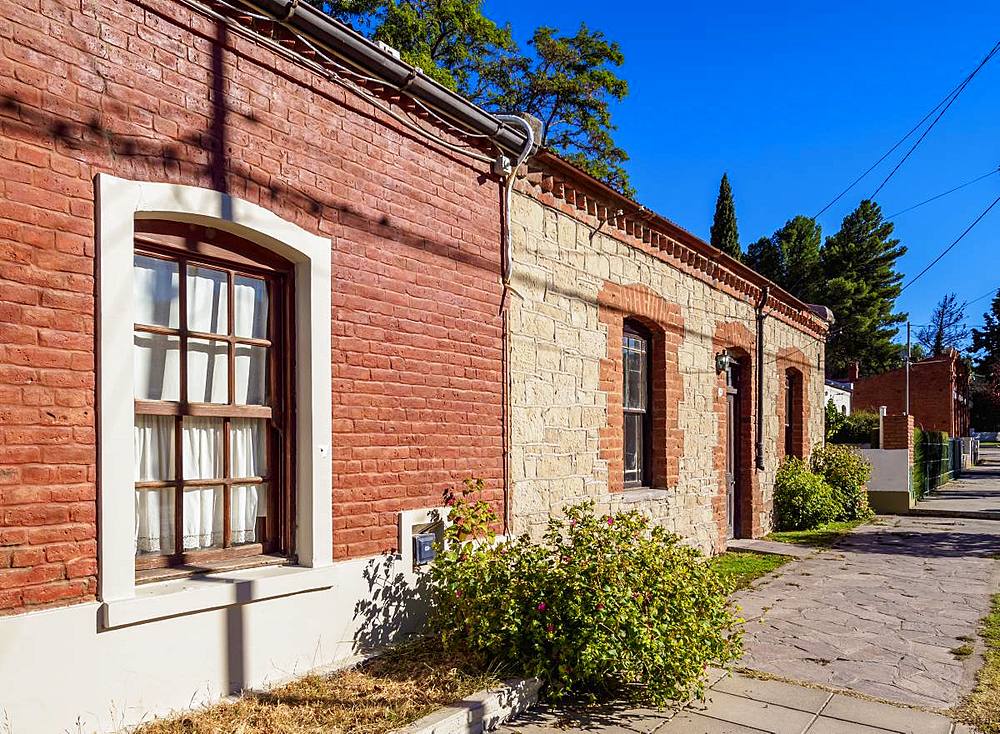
point(906, 410)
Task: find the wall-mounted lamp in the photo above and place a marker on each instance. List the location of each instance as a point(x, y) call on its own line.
point(723, 361)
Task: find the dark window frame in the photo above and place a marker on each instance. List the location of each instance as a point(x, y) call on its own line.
point(184, 245)
point(638, 419)
point(791, 386)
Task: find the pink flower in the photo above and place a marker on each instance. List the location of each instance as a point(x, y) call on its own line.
point(551, 628)
point(611, 521)
point(541, 606)
point(600, 606)
point(572, 523)
point(457, 593)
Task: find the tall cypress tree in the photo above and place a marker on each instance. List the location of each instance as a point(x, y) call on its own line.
point(861, 285)
point(724, 234)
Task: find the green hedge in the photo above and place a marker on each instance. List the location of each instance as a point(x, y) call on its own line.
point(860, 427)
point(931, 460)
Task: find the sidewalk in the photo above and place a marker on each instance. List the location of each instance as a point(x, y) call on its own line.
point(740, 705)
point(976, 494)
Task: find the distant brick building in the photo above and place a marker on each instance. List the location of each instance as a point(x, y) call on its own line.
point(939, 393)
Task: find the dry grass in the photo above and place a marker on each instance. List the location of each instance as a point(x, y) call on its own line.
point(378, 696)
point(981, 708)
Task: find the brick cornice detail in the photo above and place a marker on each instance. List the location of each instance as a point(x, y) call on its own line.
point(556, 184)
point(663, 319)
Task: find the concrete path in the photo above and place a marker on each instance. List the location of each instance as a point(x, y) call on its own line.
point(976, 494)
point(881, 611)
point(770, 547)
point(737, 704)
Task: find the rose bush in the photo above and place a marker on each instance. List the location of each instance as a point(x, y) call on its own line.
point(603, 605)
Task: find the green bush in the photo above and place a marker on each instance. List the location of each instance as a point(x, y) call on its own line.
point(931, 460)
point(802, 500)
point(860, 427)
point(847, 472)
point(603, 605)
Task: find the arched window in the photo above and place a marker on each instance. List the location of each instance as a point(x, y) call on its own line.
point(793, 408)
point(212, 386)
point(636, 404)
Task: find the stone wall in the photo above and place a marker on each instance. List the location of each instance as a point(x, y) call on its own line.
point(573, 283)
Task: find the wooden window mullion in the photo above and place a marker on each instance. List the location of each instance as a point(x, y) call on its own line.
point(183, 396)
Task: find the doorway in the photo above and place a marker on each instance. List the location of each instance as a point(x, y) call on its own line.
point(733, 453)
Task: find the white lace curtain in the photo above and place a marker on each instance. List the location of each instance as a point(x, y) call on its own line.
point(203, 505)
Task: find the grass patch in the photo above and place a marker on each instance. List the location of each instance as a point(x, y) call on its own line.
point(822, 537)
point(385, 693)
point(981, 708)
point(962, 651)
point(738, 570)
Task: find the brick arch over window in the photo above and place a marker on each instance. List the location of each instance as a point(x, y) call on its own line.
point(792, 363)
point(663, 321)
point(739, 341)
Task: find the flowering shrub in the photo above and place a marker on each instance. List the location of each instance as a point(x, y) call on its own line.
point(847, 472)
point(602, 605)
point(802, 500)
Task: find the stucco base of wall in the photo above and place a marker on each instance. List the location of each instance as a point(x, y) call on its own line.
point(61, 671)
point(890, 502)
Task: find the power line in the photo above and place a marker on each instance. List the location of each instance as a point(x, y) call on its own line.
point(952, 245)
point(945, 193)
point(985, 295)
point(898, 143)
point(961, 88)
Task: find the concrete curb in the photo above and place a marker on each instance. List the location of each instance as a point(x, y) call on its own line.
point(480, 712)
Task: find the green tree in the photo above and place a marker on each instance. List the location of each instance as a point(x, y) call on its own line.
point(569, 82)
point(790, 257)
point(861, 285)
point(986, 341)
point(724, 234)
point(947, 329)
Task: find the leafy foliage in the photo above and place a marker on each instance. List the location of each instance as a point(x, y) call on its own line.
point(790, 257)
point(847, 472)
point(568, 81)
point(602, 605)
point(724, 234)
point(802, 499)
point(861, 285)
point(947, 329)
point(931, 460)
point(986, 341)
point(860, 427)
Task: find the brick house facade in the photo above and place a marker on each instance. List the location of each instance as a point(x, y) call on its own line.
point(163, 136)
point(939, 393)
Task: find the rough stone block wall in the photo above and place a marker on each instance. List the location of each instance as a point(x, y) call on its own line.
point(563, 408)
point(155, 91)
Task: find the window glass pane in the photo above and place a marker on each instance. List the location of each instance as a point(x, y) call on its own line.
point(251, 375)
point(250, 304)
point(634, 377)
point(155, 295)
point(247, 505)
point(154, 521)
point(202, 441)
point(154, 447)
point(633, 447)
point(207, 300)
point(156, 367)
point(203, 519)
point(208, 376)
point(247, 447)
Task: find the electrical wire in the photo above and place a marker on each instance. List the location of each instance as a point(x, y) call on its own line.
point(952, 245)
point(898, 143)
point(945, 193)
point(961, 88)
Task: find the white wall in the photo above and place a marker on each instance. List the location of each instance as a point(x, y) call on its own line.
point(840, 397)
point(890, 470)
point(61, 670)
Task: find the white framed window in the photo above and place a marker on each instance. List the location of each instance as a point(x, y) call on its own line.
point(126, 297)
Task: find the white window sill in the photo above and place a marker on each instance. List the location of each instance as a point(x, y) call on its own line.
point(213, 591)
point(641, 494)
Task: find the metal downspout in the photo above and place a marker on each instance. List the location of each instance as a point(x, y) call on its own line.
point(765, 292)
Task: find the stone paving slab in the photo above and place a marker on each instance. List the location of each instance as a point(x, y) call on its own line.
point(880, 612)
point(976, 493)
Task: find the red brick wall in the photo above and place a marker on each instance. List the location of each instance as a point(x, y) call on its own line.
point(666, 326)
point(931, 393)
point(150, 90)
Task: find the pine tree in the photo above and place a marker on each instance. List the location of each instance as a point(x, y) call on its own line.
point(861, 285)
point(986, 341)
point(947, 329)
point(724, 234)
point(790, 257)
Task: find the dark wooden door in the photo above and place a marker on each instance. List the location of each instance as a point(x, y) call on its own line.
point(732, 451)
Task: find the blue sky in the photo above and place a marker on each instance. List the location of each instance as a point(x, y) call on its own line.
point(794, 100)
